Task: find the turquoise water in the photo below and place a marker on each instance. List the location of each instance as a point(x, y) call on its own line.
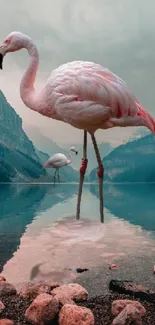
point(40, 237)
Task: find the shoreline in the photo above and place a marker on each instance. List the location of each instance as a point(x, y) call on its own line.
point(16, 303)
point(99, 305)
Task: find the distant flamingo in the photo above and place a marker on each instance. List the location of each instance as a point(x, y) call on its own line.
point(82, 94)
point(58, 161)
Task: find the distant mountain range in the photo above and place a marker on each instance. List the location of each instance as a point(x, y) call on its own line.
point(22, 155)
point(48, 145)
point(20, 160)
point(131, 162)
point(104, 148)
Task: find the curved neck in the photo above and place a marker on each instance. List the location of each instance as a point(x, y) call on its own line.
point(70, 158)
point(27, 90)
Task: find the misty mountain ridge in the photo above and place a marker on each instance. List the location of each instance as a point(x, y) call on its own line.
point(47, 145)
point(130, 162)
point(20, 160)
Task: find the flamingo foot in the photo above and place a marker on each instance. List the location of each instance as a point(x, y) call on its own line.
point(83, 166)
point(100, 171)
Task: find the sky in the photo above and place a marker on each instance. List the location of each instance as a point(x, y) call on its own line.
point(118, 34)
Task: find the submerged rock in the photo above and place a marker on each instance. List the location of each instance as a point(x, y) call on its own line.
point(42, 310)
point(113, 266)
point(75, 315)
point(131, 288)
point(7, 289)
point(79, 270)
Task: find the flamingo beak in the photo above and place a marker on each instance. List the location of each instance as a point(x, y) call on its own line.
point(45, 165)
point(1, 61)
point(76, 152)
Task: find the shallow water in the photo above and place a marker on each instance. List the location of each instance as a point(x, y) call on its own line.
point(40, 238)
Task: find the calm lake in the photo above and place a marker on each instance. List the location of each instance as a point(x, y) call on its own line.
point(40, 239)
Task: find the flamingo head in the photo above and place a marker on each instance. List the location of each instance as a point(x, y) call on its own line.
point(15, 41)
point(46, 165)
point(74, 150)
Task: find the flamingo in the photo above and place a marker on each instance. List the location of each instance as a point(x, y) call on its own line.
point(59, 160)
point(83, 94)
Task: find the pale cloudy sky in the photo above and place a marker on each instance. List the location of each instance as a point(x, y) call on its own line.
point(119, 34)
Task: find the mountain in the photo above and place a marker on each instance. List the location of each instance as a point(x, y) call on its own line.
point(42, 142)
point(131, 162)
point(19, 160)
point(104, 148)
point(46, 144)
point(46, 147)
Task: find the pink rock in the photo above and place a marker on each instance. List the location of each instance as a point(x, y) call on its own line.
point(1, 306)
point(119, 305)
point(68, 292)
point(2, 278)
point(6, 322)
point(113, 266)
point(42, 310)
point(130, 314)
point(75, 315)
point(32, 290)
point(62, 300)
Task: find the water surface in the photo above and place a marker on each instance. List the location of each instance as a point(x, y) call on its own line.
point(40, 238)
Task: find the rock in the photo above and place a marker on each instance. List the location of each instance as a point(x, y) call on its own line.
point(6, 322)
point(79, 270)
point(63, 300)
point(2, 278)
point(32, 290)
point(7, 289)
point(129, 315)
point(131, 288)
point(43, 309)
point(68, 292)
point(2, 307)
point(113, 266)
point(119, 305)
point(75, 315)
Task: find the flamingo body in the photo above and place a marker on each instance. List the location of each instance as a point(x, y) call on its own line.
point(90, 97)
point(82, 94)
point(58, 160)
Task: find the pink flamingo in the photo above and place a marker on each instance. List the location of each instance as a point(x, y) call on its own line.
point(59, 160)
point(82, 94)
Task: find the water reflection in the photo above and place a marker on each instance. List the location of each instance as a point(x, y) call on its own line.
point(53, 243)
point(134, 203)
point(19, 205)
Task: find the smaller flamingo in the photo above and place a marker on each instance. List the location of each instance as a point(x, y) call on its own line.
point(58, 161)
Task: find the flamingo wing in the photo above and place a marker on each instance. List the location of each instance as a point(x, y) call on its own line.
point(88, 96)
point(57, 160)
point(87, 91)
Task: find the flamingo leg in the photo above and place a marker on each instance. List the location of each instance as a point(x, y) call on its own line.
point(55, 176)
point(100, 174)
point(82, 174)
point(58, 176)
